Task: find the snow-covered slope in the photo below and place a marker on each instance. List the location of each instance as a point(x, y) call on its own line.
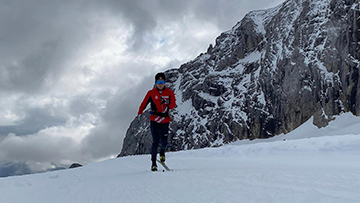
point(311, 165)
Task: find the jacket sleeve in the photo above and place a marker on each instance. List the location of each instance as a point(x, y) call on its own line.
point(172, 100)
point(144, 103)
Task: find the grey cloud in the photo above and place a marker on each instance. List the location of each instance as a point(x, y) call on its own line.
point(141, 18)
point(38, 148)
point(107, 138)
point(42, 36)
point(35, 120)
point(226, 13)
point(49, 115)
point(12, 168)
point(87, 103)
point(175, 63)
point(145, 15)
point(39, 40)
point(31, 73)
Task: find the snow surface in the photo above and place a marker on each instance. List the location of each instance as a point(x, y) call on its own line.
point(306, 165)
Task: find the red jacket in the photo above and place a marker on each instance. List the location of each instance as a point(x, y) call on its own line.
point(161, 102)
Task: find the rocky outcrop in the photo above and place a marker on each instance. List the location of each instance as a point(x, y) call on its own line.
point(266, 76)
point(75, 165)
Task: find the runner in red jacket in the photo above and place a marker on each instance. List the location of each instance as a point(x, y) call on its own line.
point(162, 100)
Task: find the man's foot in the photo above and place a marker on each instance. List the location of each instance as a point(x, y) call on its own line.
point(162, 158)
point(154, 166)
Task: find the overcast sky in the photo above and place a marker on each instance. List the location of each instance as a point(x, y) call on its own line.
point(73, 73)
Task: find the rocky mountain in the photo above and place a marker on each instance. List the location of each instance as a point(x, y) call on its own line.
point(267, 75)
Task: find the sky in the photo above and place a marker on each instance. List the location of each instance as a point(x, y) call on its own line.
point(73, 73)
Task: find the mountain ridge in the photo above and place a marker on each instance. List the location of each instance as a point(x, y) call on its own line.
point(270, 73)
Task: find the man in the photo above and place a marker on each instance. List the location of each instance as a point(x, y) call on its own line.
point(162, 99)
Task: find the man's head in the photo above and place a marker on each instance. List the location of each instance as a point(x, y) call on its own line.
point(160, 75)
point(160, 81)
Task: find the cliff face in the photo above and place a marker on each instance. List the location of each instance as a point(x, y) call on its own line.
point(266, 76)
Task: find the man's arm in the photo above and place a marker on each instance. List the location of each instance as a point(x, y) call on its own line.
point(144, 103)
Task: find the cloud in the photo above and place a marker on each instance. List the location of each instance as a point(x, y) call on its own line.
point(35, 119)
point(146, 16)
point(73, 73)
point(107, 138)
point(52, 146)
point(40, 39)
point(32, 72)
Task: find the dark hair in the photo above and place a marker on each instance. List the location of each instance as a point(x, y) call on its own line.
point(159, 75)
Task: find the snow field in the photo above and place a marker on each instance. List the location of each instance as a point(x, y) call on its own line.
point(316, 168)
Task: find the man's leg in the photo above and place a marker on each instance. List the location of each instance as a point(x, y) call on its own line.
point(164, 140)
point(156, 134)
